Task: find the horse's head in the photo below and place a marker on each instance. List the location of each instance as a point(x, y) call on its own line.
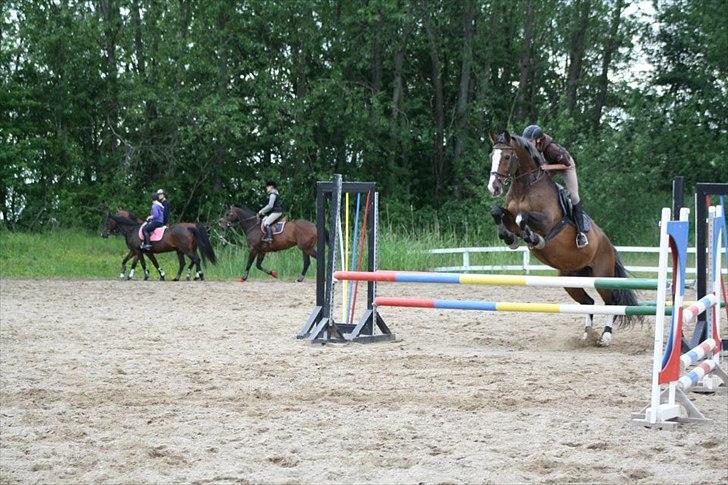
point(512, 156)
point(503, 161)
point(110, 226)
point(230, 218)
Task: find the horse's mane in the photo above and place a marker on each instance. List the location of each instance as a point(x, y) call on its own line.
point(247, 212)
point(529, 147)
point(124, 221)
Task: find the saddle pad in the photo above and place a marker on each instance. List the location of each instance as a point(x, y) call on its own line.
point(277, 227)
point(155, 236)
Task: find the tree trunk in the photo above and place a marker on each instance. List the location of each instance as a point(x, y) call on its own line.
point(136, 20)
point(526, 61)
point(576, 53)
point(610, 47)
point(439, 108)
point(465, 68)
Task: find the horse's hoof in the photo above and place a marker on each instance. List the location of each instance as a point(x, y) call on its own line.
point(300, 279)
point(243, 279)
point(514, 245)
point(175, 279)
point(122, 276)
point(605, 340)
point(274, 274)
point(161, 278)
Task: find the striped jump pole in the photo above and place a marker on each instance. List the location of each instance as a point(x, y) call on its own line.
point(693, 377)
point(694, 355)
point(574, 309)
point(499, 280)
point(700, 306)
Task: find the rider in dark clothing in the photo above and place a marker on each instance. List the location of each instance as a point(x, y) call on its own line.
point(559, 160)
point(272, 211)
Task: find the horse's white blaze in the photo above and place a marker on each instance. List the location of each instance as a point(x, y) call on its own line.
point(519, 219)
point(494, 164)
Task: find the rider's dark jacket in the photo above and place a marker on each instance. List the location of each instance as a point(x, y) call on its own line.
point(555, 153)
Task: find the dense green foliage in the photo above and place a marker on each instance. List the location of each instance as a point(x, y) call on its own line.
point(103, 101)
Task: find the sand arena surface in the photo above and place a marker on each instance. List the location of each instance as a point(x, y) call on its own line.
point(204, 382)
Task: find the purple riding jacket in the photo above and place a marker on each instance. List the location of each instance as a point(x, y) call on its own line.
point(157, 213)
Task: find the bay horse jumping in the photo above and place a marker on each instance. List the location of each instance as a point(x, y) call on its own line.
point(533, 214)
point(297, 232)
point(184, 238)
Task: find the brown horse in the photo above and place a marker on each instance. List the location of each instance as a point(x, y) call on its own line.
point(298, 232)
point(533, 214)
point(137, 253)
point(184, 238)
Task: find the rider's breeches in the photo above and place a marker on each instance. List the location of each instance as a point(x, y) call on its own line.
point(572, 184)
point(271, 218)
point(151, 226)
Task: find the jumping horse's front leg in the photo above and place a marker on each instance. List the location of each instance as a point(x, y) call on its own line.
point(532, 238)
point(502, 217)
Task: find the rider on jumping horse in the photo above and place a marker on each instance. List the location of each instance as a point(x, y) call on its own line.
point(560, 160)
point(155, 220)
point(274, 210)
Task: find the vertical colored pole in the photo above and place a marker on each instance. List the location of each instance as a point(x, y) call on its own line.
point(345, 261)
point(354, 253)
point(659, 315)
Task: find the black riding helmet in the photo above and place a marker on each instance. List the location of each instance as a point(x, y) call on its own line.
point(271, 183)
point(532, 132)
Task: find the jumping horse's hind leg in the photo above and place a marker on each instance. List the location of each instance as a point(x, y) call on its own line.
point(606, 339)
point(533, 239)
point(501, 217)
point(580, 296)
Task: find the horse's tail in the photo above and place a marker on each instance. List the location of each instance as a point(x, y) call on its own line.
point(624, 296)
point(203, 242)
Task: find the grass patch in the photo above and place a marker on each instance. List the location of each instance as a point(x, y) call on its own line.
point(67, 253)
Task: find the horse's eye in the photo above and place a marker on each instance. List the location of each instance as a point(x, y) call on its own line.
point(508, 157)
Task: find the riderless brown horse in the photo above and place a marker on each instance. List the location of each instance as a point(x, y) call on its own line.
point(297, 232)
point(135, 253)
point(184, 238)
point(533, 214)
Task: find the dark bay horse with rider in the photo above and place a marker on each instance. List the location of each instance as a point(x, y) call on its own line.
point(183, 238)
point(538, 214)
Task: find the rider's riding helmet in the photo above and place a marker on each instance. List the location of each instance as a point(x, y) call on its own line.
point(271, 183)
point(532, 132)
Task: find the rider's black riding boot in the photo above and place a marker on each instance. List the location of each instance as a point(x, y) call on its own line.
point(268, 234)
point(145, 243)
point(581, 240)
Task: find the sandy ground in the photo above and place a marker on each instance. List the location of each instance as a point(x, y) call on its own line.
point(204, 382)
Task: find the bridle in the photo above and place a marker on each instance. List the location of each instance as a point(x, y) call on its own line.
point(503, 179)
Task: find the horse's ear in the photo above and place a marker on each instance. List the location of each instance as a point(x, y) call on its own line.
point(507, 136)
point(492, 137)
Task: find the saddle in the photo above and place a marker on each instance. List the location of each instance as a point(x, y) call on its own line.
point(277, 227)
point(157, 235)
point(567, 215)
point(567, 209)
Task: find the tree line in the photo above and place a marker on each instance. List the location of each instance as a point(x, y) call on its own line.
point(105, 101)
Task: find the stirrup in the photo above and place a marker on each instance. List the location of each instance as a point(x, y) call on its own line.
point(586, 239)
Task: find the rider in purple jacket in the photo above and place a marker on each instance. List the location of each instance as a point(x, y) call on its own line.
point(153, 221)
